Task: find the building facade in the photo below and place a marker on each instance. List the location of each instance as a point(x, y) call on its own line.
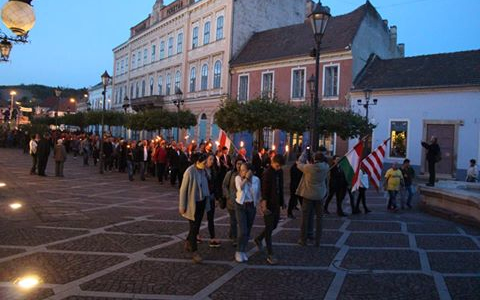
point(95, 97)
point(278, 63)
point(424, 96)
point(183, 50)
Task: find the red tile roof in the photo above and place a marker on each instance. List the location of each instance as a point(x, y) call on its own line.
point(297, 40)
point(436, 70)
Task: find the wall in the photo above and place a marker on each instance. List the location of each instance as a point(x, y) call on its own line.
point(417, 106)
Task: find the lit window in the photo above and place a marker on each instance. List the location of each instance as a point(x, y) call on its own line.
point(195, 38)
point(220, 28)
point(243, 88)
point(204, 79)
point(180, 43)
point(331, 81)
point(193, 79)
point(398, 135)
point(298, 84)
point(217, 74)
point(206, 33)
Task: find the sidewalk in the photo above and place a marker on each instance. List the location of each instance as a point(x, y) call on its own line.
point(92, 236)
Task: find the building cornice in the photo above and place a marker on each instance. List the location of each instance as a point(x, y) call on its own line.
point(418, 90)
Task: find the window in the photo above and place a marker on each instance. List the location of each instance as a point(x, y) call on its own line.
point(217, 74)
point(162, 50)
point(154, 49)
point(204, 82)
point(118, 68)
point(151, 86)
point(177, 81)
point(243, 88)
point(398, 135)
point(195, 38)
point(143, 88)
point(131, 91)
point(120, 98)
point(206, 33)
point(160, 85)
point(180, 43)
point(139, 59)
point(220, 28)
point(145, 56)
point(267, 85)
point(193, 79)
point(126, 64)
point(330, 86)
point(168, 84)
point(133, 61)
point(122, 67)
point(137, 90)
point(170, 46)
point(298, 84)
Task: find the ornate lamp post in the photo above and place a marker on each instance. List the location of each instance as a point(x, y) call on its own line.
point(366, 104)
point(319, 19)
point(19, 17)
point(178, 101)
point(58, 93)
point(105, 81)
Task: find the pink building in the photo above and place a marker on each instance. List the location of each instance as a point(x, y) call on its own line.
point(279, 63)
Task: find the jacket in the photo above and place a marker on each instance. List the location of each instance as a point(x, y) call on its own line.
point(272, 191)
point(189, 193)
point(313, 185)
point(59, 153)
point(229, 189)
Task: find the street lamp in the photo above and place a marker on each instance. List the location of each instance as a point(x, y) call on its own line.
point(105, 81)
point(178, 101)
point(367, 104)
point(72, 101)
point(19, 17)
point(12, 96)
point(58, 93)
point(319, 19)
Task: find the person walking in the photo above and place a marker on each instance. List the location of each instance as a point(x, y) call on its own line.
point(364, 185)
point(213, 187)
point(433, 157)
point(246, 201)
point(43, 151)
point(271, 203)
point(230, 193)
point(393, 181)
point(33, 153)
point(472, 171)
point(408, 175)
point(193, 201)
point(337, 187)
point(313, 190)
point(60, 156)
point(295, 177)
point(86, 149)
point(160, 159)
point(131, 159)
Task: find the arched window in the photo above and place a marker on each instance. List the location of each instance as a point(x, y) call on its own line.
point(168, 84)
point(177, 80)
point(160, 85)
point(204, 83)
point(193, 79)
point(137, 89)
point(151, 86)
point(217, 74)
point(202, 128)
point(206, 33)
point(195, 37)
point(143, 88)
point(220, 28)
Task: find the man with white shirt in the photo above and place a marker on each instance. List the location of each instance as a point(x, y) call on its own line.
point(33, 152)
point(145, 155)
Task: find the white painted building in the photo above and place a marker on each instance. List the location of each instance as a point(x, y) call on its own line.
point(95, 96)
point(419, 97)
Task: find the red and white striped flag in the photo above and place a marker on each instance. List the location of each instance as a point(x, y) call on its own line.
point(224, 140)
point(373, 164)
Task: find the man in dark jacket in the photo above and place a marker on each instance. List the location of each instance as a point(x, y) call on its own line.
point(43, 151)
point(108, 154)
point(295, 177)
point(337, 187)
point(433, 156)
point(257, 162)
point(272, 201)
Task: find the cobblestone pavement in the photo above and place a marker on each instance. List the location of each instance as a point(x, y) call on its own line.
point(92, 236)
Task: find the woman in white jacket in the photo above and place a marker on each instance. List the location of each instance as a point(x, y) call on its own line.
point(248, 196)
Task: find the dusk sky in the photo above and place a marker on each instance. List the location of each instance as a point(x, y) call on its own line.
point(72, 41)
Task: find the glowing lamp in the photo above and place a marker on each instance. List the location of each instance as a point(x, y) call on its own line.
point(18, 16)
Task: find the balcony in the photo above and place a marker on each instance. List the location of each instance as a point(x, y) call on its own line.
point(148, 102)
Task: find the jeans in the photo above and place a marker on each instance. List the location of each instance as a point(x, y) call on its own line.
point(210, 219)
point(271, 222)
point(143, 167)
point(392, 199)
point(232, 234)
point(195, 225)
point(246, 216)
point(130, 166)
point(409, 191)
point(34, 163)
point(160, 171)
point(308, 208)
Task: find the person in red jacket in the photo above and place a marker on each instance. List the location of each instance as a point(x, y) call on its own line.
point(160, 159)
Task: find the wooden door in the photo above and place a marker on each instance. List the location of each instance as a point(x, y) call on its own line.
point(445, 134)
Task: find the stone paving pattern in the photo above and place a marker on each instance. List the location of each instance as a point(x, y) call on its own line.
point(101, 237)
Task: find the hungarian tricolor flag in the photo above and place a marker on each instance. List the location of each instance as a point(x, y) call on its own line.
point(350, 165)
point(223, 140)
point(373, 164)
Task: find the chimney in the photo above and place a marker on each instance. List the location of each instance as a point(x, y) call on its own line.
point(401, 49)
point(393, 39)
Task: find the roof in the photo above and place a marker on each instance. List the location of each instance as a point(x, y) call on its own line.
point(437, 70)
point(297, 40)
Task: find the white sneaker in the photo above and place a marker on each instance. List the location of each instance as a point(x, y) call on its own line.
point(244, 256)
point(238, 256)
